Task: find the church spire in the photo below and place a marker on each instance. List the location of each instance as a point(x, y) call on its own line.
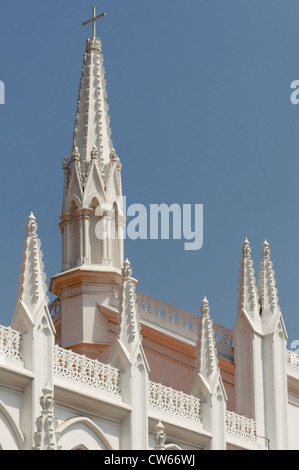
point(92, 220)
point(91, 130)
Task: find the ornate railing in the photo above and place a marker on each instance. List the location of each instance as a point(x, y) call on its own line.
point(168, 400)
point(10, 343)
point(224, 340)
point(292, 359)
point(240, 427)
point(165, 315)
point(181, 322)
point(87, 371)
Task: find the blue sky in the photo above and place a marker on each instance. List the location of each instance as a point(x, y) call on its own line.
point(199, 97)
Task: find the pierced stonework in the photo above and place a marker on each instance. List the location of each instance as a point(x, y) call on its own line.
point(240, 427)
point(87, 371)
point(170, 401)
point(10, 344)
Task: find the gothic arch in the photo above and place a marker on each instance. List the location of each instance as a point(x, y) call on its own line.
point(93, 200)
point(11, 436)
point(82, 433)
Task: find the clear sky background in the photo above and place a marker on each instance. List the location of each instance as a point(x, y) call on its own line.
point(199, 97)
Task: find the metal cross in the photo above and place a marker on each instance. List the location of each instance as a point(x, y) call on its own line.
point(93, 21)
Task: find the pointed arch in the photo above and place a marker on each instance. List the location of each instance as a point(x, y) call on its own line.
point(94, 186)
point(11, 436)
point(94, 202)
point(82, 433)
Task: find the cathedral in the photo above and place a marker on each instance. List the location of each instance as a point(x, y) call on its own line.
point(107, 367)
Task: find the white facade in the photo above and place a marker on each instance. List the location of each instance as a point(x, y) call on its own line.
point(107, 367)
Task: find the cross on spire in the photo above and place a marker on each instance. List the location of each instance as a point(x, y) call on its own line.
point(93, 21)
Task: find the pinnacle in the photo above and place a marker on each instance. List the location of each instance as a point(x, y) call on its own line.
point(246, 249)
point(32, 285)
point(31, 225)
point(247, 299)
point(207, 361)
point(266, 250)
point(267, 283)
point(127, 270)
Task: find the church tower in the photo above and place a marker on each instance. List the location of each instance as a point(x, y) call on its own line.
point(92, 219)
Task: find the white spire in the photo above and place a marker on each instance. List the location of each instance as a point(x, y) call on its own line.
point(267, 284)
point(32, 288)
point(92, 129)
point(207, 361)
point(248, 297)
point(92, 219)
point(129, 333)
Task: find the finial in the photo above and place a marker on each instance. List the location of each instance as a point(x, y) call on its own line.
point(31, 225)
point(246, 250)
point(127, 270)
point(205, 309)
point(159, 436)
point(266, 250)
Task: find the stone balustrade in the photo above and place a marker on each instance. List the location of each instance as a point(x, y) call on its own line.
point(10, 343)
point(181, 322)
point(240, 427)
point(87, 371)
point(168, 400)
